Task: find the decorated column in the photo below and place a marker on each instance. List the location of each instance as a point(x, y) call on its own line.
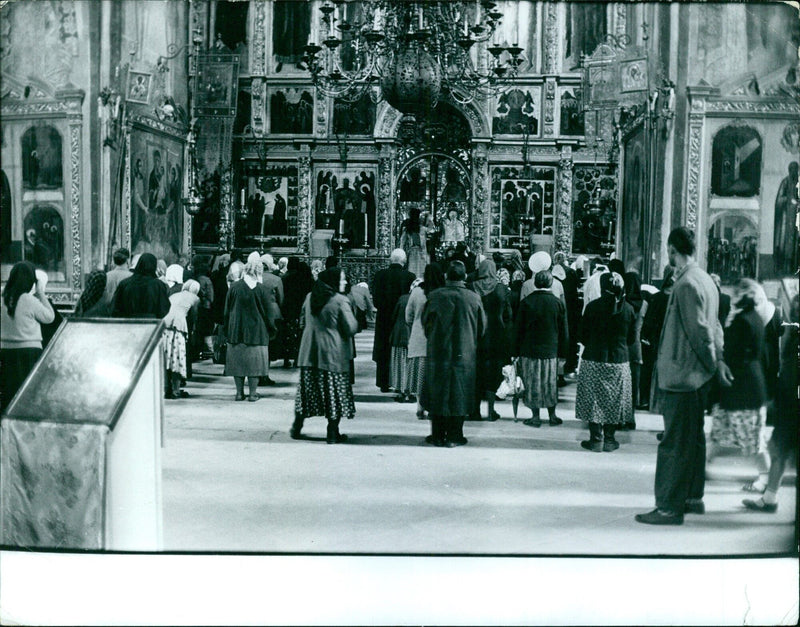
point(385, 212)
point(305, 212)
point(563, 238)
point(480, 197)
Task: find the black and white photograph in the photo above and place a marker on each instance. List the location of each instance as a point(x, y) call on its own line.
point(399, 312)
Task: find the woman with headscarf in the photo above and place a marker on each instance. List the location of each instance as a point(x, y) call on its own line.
point(204, 329)
point(541, 337)
point(25, 307)
point(317, 266)
point(325, 353)
point(604, 397)
point(219, 274)
point(174, 279)
point(633, 295)
point(141, 295)
point(297, 284)
point(248, 325)
point(740, 416)
point(493, 349)
point(161, 270)
point(417, 342)
point(91, 303)
point(517, 281)
point(176, 336)
point(398, 364)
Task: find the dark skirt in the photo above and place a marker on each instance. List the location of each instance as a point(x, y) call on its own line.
point(290, 336)
point(489, 374)
point(540, 377)
point(243, 360)
point(604, 393)
point(324, 393)
point(15, 365)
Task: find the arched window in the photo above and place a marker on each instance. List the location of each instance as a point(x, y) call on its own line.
point(736, 162)
point(42, 166)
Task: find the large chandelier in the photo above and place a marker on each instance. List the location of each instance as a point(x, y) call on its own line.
point(410, 53)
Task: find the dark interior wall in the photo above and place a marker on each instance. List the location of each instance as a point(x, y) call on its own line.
point(681, 119)
point(95, 53)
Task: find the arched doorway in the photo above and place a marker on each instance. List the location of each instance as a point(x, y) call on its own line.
point(434, 176)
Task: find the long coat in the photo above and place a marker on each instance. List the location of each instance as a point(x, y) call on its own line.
point(390, 284)
point(327, 338)
point(454, 321)
point(744, 346)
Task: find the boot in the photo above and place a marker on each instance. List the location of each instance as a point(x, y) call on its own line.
point(438, 431)
point(294, 431)
point(455, 431)
point(334, 437)
point(595, 441)
point(609, 443)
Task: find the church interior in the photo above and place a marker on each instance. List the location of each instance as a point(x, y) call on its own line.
point(316, 128)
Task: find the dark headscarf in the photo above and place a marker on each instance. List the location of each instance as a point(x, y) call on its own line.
point(434, 278)
point(297, 283)
point(147, 265)
point(612, 288)
point(95, 286)
point(487, 278)
point(324, 289)
point(633, 290)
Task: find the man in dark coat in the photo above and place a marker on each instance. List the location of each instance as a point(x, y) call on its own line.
point(388, 286)
point(454, 321)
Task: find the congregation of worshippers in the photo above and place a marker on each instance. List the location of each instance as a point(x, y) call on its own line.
point(454, 336)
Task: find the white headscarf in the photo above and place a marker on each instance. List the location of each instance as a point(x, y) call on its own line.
point(254, 257)
point(174, 274)
point(539, 261)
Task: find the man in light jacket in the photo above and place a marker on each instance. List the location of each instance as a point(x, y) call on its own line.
point(689, 356)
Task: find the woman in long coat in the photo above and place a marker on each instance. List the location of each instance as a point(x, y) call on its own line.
point(741, 414)
point(493, 352)
point(417, 343)
point(141, 295)
point(297, 283)
point(542, 336)
point(633, 294)
point(325, 353)
point(454, 321)
point(604, 396)
point(248, 325)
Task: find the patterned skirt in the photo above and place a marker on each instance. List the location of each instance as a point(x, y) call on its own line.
point(243, 360)
point(739, 428)
point(605, 393)
point(416, 374)
point(398, 372)
point(175, 351)
point(540, 377)
point(323, 393)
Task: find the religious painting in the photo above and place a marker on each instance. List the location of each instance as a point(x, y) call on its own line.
point(156, 186)
point(291, 27)
point(139, 87)
point(571, 118)
point(736, 162)
point(42, 165)
point(633, 75)
point(732, 247)
point(354, 118)
point(586, 25)
point(44, 239)
point(291, 111)
point(345, 202)
point(785, 230)
point(267, 206)
point(522, 204)
point(451, 211)
point(517, 112)
point(594, 211)
point(217, 82)
point(634, 202)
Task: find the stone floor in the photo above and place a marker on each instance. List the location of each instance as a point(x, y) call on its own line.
point(234, 481)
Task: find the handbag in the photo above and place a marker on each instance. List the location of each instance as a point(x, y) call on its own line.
point(220, 345)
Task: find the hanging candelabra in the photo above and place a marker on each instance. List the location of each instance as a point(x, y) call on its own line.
point(410, 53)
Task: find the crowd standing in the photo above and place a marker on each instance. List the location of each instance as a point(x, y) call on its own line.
point(448, 332)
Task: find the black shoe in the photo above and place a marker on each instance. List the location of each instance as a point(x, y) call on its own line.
point(555, 421)
point(435, 441)
point(610, 445)
point(240, 397)
point(562, 382)
point(265, 381)
point(643, 407)
point(660, 436)
point(386, 390)
point(336, 439)
point(660, 517)
point(457, 442)
point(595, 446)
point(694, 506)
point(494, 417)
point(767, 508)
point(532, 422)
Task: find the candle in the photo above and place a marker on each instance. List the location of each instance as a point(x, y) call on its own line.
point(366, 230)
point(466, 25)
point(242, 200)
point(477, 12)
point(341, 227)
point(419, 15)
